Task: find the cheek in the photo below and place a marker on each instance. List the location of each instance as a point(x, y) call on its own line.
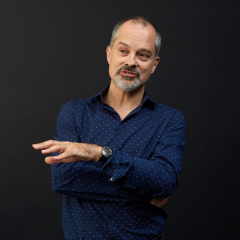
point(114, 64)
point(146, 70)
point(112, 70)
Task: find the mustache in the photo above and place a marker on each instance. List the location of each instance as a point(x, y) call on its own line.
point(131, 69)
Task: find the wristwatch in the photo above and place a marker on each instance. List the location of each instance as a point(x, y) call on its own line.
point(106, 154)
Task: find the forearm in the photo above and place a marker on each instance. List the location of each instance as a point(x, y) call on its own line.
point(84, 180)
point(149, 178)
point(123, 176)
point(153, 177)
point(156, 176)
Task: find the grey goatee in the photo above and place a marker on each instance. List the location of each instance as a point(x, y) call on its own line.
point(131, 85)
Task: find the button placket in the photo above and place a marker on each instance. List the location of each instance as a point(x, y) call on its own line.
point(117, 130)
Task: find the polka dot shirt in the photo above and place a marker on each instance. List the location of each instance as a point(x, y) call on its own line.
point(111, 200)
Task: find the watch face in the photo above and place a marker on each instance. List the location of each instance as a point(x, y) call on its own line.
point(107, 152)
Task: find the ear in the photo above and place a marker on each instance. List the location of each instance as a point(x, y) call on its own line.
point(157, 60)
point(108, 51)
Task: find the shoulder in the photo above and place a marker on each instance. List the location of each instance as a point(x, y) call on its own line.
point(163, 109)
point(79, 105)
point(169, 114)
point(73, 104)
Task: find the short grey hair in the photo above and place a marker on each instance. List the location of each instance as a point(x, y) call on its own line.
point(137, 19)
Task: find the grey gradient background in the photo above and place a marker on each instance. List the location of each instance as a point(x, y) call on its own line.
point(54, 51)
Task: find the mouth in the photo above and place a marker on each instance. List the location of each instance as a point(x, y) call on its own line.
point(128, 73)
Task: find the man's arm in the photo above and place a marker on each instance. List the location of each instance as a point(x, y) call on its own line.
point(156, 177)
point(80, 179)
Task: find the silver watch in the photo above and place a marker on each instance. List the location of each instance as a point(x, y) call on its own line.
point(106, 154)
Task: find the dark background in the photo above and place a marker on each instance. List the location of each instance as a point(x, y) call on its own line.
point(53, 51)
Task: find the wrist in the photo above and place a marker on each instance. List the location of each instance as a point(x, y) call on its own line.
point(106, 154)
point(98, 154)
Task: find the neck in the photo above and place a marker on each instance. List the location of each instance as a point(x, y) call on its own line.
point(123, 102)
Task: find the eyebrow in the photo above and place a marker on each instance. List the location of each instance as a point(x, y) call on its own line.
point(142, 49)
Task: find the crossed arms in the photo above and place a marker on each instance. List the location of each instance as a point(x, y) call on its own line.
point(123, 178)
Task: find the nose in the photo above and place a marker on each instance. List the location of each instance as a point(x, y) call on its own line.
point(131, 60)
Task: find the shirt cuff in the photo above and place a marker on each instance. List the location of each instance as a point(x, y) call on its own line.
point(118, 165)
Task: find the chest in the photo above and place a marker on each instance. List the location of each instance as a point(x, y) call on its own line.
point(137, 134)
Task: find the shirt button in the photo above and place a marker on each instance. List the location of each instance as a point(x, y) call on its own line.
point(111, 179)
point(118, 133)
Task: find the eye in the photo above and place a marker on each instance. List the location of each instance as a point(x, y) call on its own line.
point(122, 51)
point(144, 56)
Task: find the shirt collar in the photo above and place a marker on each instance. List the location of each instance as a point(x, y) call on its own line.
point(146, 100)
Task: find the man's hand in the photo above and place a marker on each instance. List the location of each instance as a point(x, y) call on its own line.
point(159, 202)
point(69, 151)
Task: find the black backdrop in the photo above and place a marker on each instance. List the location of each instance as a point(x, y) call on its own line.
point(53, 51)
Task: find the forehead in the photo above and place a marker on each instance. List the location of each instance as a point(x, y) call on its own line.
point(137, 35)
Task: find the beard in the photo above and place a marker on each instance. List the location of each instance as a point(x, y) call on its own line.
point(131, 84)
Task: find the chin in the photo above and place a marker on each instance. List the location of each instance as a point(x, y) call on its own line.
point(127, 85)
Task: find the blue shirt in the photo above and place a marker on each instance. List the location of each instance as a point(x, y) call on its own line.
point(111, 200)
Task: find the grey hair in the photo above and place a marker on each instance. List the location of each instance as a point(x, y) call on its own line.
point(137, 19)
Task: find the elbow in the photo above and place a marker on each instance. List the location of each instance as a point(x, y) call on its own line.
point(165, 186)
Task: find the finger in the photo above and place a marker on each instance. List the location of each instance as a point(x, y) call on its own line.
point(54, 148)
point(50, 160)
point(165, 199)
point(61, 156)
point(44, 145)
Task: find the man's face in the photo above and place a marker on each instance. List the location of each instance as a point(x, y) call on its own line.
point(132, 57)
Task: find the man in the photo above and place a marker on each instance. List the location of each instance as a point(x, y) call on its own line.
point(120, 153)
